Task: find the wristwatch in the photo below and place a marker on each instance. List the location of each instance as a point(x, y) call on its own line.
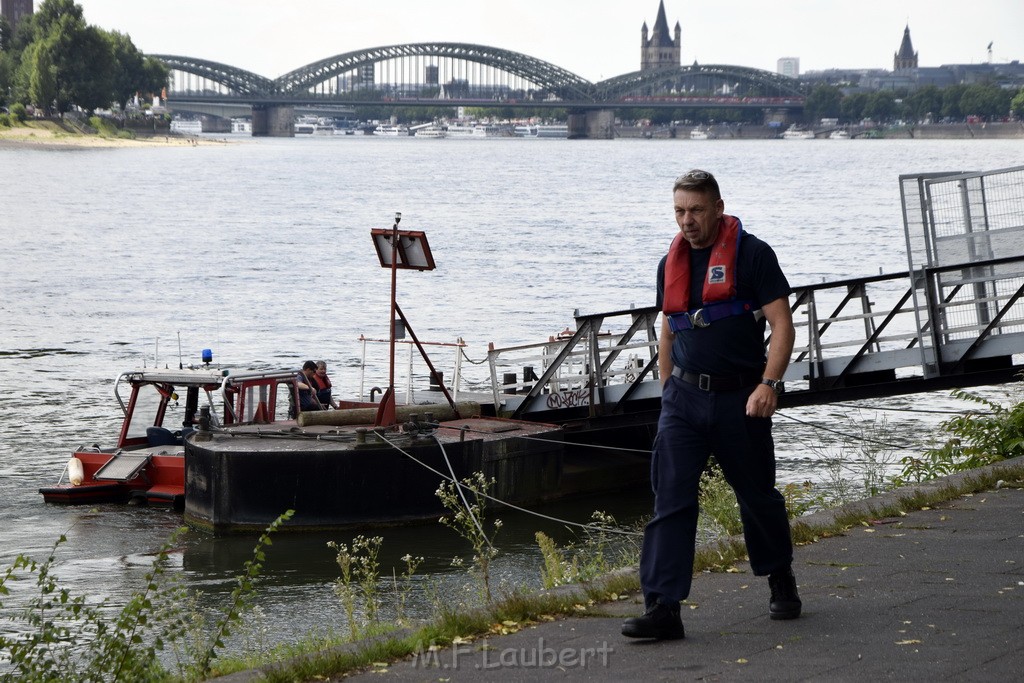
point(777, 385)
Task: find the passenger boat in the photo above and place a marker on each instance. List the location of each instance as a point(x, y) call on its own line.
point(552, 130)
point(701, 133)
point(795, 132)
point(525, 131)
point(476, 131)
point(839, 134)
point(432, 132)
point(391, 131)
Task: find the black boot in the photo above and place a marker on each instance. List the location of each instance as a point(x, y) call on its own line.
point(785, 602)
point(660, 621)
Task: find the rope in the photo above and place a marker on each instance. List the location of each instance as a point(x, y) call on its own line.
point(848, 436)
point(541, 515)
point(912, 410)
point(459, 487)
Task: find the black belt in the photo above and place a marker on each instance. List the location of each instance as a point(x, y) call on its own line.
point(733, 382)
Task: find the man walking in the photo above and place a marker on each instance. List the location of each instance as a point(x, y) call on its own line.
point(716, 287)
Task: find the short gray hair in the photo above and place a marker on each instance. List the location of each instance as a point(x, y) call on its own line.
point(698, 181)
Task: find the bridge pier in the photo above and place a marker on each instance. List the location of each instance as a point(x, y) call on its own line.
point(273, 121)
point(592, 124)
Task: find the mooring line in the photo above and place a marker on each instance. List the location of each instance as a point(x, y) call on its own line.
point(498, 500)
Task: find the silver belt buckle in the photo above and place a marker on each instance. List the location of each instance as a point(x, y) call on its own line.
point(704, 382)
point(697, 319)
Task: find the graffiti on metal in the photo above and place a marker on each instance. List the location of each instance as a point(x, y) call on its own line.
point(569, 399)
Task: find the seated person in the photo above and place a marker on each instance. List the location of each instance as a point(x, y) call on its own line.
point(307, 388)
point(322, 384)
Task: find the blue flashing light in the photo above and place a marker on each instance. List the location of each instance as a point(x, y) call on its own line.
point(207, 356)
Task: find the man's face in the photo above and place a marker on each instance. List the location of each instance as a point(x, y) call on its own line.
point(697, 216)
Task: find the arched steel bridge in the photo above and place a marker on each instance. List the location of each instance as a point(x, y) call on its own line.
point(443, 73)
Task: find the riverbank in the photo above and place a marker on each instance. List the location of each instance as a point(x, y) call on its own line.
point(915, 583)
point(1009, 130)
point(53, 135)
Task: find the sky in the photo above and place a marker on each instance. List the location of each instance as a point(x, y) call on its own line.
point(595, 39)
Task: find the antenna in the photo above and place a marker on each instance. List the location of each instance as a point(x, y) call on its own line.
point(180, 366)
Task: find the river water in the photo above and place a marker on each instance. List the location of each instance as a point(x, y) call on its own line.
point(259, 250)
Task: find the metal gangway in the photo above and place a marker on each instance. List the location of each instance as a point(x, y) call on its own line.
point(954, 319)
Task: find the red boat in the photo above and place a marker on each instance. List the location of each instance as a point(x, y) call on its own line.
point(147, 463)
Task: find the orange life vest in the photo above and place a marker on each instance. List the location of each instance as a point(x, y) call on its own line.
point(718, 296)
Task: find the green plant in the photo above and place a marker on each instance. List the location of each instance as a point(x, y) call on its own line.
point(802, 498)
point(18, 112)
point(556, 570)
point(718, 506)
point(403, 590)
point(605, 546)
point(865, 455)
point(467, 520)
point(360, 571)
point(5, 120)
point(68, 638)
point(978, 439)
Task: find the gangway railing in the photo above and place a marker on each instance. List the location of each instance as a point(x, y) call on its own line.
point(954, 319)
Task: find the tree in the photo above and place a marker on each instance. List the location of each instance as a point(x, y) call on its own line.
point(6, 34)
point(129, 67)
point(924, 102)
point(1017, 104)
point(881, 105)
point(37, 75)
point(853, 106)
point(988, 101)
point(825, 101)
point(77, 59)
point(951, 96)
point(133, 72)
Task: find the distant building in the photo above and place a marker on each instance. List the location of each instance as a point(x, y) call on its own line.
point(14, 10)
point(905, 59)
point(908, 75)
point(788, 66)
point(660, 50)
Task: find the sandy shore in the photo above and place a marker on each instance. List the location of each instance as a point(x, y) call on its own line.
point(45, 138)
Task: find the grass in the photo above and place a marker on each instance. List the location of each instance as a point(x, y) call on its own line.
point(517, 610)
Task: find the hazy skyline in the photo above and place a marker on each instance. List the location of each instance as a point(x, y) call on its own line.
point(597, 40)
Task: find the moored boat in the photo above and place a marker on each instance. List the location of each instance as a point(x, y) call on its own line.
point(795, 132)
point(146, 461)
point(431, 132)
point(552, 130)
point(391, 131)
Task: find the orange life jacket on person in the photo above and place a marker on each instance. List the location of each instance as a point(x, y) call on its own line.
point(718, 296)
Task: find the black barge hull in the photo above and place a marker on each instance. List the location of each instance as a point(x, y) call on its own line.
point(243, 480)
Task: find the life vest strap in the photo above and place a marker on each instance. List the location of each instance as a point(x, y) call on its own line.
point(703, 317)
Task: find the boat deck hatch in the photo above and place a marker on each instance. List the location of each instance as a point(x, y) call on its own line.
point(494, 426)
point(122, 468)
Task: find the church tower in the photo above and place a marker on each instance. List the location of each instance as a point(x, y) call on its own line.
point(906, 58)
point(660, 49)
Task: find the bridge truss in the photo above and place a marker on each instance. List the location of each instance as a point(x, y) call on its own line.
point(457, 72)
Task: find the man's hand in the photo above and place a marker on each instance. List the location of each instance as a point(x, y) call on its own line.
point(762, 401)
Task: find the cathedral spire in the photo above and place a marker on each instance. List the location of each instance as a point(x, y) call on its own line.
point(905, 58)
